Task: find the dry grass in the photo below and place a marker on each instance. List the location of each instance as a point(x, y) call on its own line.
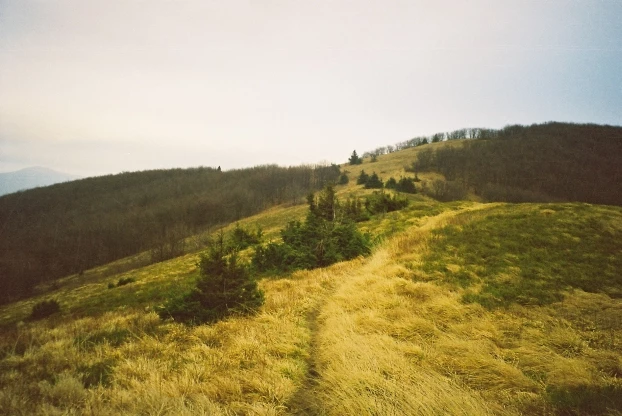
point(375, 336)
point(242, 365)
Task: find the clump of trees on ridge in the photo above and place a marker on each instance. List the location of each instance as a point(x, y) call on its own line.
point(539, 163)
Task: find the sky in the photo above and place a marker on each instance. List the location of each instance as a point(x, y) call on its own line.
point(104, 86)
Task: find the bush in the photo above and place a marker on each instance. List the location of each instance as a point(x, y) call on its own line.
point(44, 309)
point(241, 238)
point(327, 235)
point(363, 178)
point(374, 182)
point(354, 210)
point(125, 281)
point(445, 190)
point(343, 179)
point(380, 202)
point(391, 183)
point(406, 185)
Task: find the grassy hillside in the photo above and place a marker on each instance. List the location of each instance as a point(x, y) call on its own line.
point(390, 334)
point(463, 308)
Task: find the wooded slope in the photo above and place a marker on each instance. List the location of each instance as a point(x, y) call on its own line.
point(51, 232)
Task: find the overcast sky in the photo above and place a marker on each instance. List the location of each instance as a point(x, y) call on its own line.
point(102, 86)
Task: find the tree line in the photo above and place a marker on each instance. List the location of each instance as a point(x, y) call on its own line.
point(50, 232)
point(541, 162)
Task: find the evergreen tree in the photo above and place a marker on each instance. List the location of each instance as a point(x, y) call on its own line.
point(406, 185)
point(380, 203)
point(327, 204)
point(326, 236)
point(363, 178)
point(391, 183)
point(374, 182)
point(241, 238)
point(225, 287)
point(343, 179)
point(355, 159)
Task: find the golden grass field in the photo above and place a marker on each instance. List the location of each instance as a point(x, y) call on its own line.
point(373, 336)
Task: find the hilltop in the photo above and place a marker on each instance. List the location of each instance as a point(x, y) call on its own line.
point(464, 306)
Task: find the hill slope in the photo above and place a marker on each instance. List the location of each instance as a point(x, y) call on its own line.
point(391, 334)
point(546, 162)
point(50, 232)
point(462, 308)
point(31, 178)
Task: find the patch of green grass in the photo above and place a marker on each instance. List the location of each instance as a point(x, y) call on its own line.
point(586, 399)
point(113, 337)
point(382, 226)
point(530, 254)
point(97, 374)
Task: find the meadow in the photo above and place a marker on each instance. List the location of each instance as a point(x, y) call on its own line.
point(463, 308)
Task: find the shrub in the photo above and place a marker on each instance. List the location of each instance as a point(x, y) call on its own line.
point(406, 185)
point(327, 235)
point(44, 309)
point(125, 281)
point(354, 210)
point(242, 238)
point(445, 190)
point(374, 182)
point(380, 202)
point(391, 183)
point(363, 178)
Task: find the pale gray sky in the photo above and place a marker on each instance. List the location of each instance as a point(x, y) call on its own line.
point(102, 86)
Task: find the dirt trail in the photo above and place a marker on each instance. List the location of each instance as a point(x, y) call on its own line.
point(305, 401)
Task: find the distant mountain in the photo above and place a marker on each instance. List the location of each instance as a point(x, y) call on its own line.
point(31, 178)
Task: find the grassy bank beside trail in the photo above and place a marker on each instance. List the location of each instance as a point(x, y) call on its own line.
point(462, 308)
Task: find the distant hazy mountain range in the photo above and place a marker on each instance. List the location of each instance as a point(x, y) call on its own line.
point(31, 178)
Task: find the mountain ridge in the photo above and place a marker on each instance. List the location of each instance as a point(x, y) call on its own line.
point(32, 177)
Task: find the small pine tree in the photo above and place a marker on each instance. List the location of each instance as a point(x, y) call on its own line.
point(327, 204)
point(343, 179)
point(391, 183)
point(327, 235)
point(355, 159)
point(241, 238)
point(406, 185)
point(374, 182)
point(225, 287)
point(363, 178)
